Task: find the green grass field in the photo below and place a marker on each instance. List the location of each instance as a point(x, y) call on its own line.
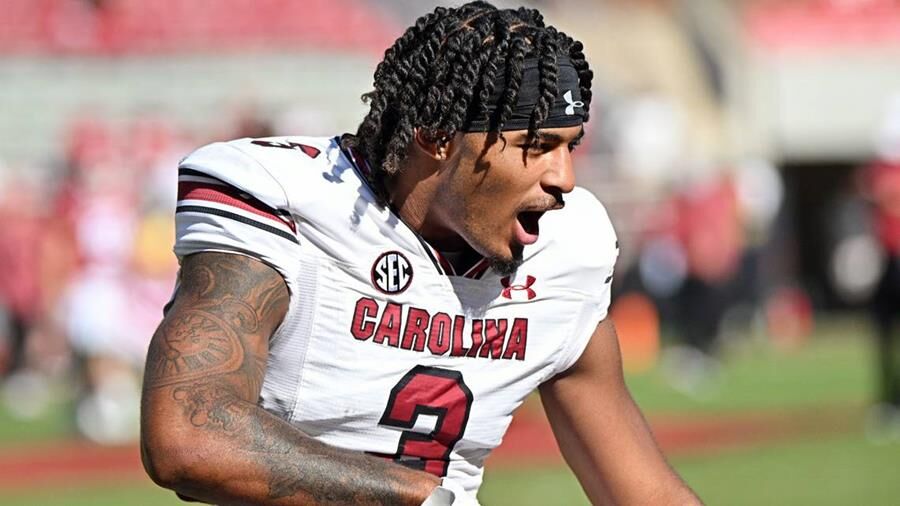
point(835, 368)
point(840, 471)
point(832, 373)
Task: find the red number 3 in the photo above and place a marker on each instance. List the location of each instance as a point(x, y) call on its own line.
point(428, 391)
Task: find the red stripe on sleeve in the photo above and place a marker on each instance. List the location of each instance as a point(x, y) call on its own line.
point(227, 195)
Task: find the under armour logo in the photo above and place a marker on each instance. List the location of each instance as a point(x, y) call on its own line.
point(509, 289)
point(570, 109)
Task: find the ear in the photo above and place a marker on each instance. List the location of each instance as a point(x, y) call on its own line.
point(435, 145)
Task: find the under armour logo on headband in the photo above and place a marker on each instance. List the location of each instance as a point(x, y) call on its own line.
point(563, 111)
point(570, 109)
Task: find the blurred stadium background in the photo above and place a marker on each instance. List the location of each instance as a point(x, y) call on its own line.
point(748, 151)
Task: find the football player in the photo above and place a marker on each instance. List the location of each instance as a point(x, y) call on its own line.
point(357, 318)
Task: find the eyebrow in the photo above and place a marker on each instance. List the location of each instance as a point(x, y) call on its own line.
point(553, 137)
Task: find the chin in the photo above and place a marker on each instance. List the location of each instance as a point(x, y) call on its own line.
point(508, 265)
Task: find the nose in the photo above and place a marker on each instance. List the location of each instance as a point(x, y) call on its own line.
point(559, 177)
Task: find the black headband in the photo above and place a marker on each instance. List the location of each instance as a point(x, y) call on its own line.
point(567, 110)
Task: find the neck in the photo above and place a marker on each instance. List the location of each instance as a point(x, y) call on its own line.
point(414, 195)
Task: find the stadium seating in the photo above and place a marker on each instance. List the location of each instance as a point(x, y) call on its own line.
point(136, 26)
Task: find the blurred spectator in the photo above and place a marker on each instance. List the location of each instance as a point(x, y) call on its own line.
point(115, 202)
point(86, 265)
point(20, 246)
point(692, 262)
point(708, 230)
point(31, 352)
point(881, 184)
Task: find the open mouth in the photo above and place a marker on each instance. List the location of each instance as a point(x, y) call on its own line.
point(529, 221)
point(528, 228)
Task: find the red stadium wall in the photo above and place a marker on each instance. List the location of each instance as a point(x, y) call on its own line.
point(112, 27)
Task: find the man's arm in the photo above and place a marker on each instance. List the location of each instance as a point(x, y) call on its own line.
point(602, 434)
point(202, 433)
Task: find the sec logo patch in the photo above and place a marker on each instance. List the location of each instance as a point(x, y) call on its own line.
point(392, 273)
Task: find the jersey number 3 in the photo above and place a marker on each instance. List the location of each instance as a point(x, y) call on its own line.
point(441, 393)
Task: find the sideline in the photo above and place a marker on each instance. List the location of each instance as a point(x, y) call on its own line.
point(529, 442)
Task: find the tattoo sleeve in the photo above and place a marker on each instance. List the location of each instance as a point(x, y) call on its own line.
point(202, 433)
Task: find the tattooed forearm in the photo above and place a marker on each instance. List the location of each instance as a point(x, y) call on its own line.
point(294, 465)
point(330, 475)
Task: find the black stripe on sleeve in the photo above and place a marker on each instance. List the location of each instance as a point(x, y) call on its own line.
point(184, 171)
point(236, 192)
point(239, 218)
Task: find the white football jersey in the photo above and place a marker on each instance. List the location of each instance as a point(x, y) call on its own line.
point(385, 349)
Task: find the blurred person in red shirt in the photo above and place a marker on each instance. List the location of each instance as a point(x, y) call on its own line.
point(709, 229)
point(691, 262)
point(882, 186)
point(19, 269)
point(32, 352)
point(110, 301)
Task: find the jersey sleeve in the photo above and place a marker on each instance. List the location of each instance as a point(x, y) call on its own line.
point(229, 202)
point(596, 250)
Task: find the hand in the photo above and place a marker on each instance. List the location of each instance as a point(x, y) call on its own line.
point(450, 494)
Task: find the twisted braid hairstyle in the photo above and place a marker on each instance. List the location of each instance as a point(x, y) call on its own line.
point(443, 70)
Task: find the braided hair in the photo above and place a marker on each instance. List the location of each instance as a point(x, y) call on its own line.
point(443, 70)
